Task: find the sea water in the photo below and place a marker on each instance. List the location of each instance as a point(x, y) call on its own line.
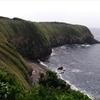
point(81, 65)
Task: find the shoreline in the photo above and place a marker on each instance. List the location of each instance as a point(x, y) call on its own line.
point(35, 69)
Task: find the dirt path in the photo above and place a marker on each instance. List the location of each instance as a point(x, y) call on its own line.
point(35, 69)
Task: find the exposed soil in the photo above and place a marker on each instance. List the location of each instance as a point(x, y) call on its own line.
point(35, 69)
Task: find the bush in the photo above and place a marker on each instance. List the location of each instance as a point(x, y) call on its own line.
point(58, 89)
point(10, 87)
point(50, 88)
point(51, 80)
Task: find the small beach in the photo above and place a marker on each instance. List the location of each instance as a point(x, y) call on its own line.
point(35, 69)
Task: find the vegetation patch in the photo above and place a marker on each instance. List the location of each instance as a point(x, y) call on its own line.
point(50, 88)
point(11, 60)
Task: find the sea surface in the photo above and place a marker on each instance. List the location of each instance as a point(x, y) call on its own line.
point(81, 65)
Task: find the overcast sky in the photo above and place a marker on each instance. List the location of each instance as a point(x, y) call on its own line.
point(84, 12)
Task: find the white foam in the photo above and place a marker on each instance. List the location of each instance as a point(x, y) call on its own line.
point(83, 91)
point(63, 47)
point(76, 70)
point(85, 45)
point(42, 63)
point(53, 54)
point(52, 50)
point(72, 86)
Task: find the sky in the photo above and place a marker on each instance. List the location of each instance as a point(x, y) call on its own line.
point(83, 12)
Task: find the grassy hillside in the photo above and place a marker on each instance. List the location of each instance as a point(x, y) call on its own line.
point(63, 33)
point(34, 40)
point(26, 37)
point(13, 62)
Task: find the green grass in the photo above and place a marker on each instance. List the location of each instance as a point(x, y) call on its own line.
point(62, 33)
point(35, 39)
point(11, 60)
point(18, 27)
point(62, 28)
point(25, 36)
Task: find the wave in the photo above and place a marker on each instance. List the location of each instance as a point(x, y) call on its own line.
point(72, 86)
point(60, 76)
point(76, 70)
point(41, 63)
point(67, 82)
point(53, 53)
point(85, 45)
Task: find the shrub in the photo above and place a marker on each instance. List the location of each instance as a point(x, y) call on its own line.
point(51, 80)
point(58, 89)
point(10, 87)
point(50, 88)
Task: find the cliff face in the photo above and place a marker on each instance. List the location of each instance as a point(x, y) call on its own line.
point(62, 33)
point(35, 40)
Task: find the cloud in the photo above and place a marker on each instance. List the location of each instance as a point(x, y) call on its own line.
point(85, 12)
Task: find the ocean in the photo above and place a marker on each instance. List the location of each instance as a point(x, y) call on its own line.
point(81, 65)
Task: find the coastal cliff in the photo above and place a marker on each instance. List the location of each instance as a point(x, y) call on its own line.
point(63, 33)
point(34, 40)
